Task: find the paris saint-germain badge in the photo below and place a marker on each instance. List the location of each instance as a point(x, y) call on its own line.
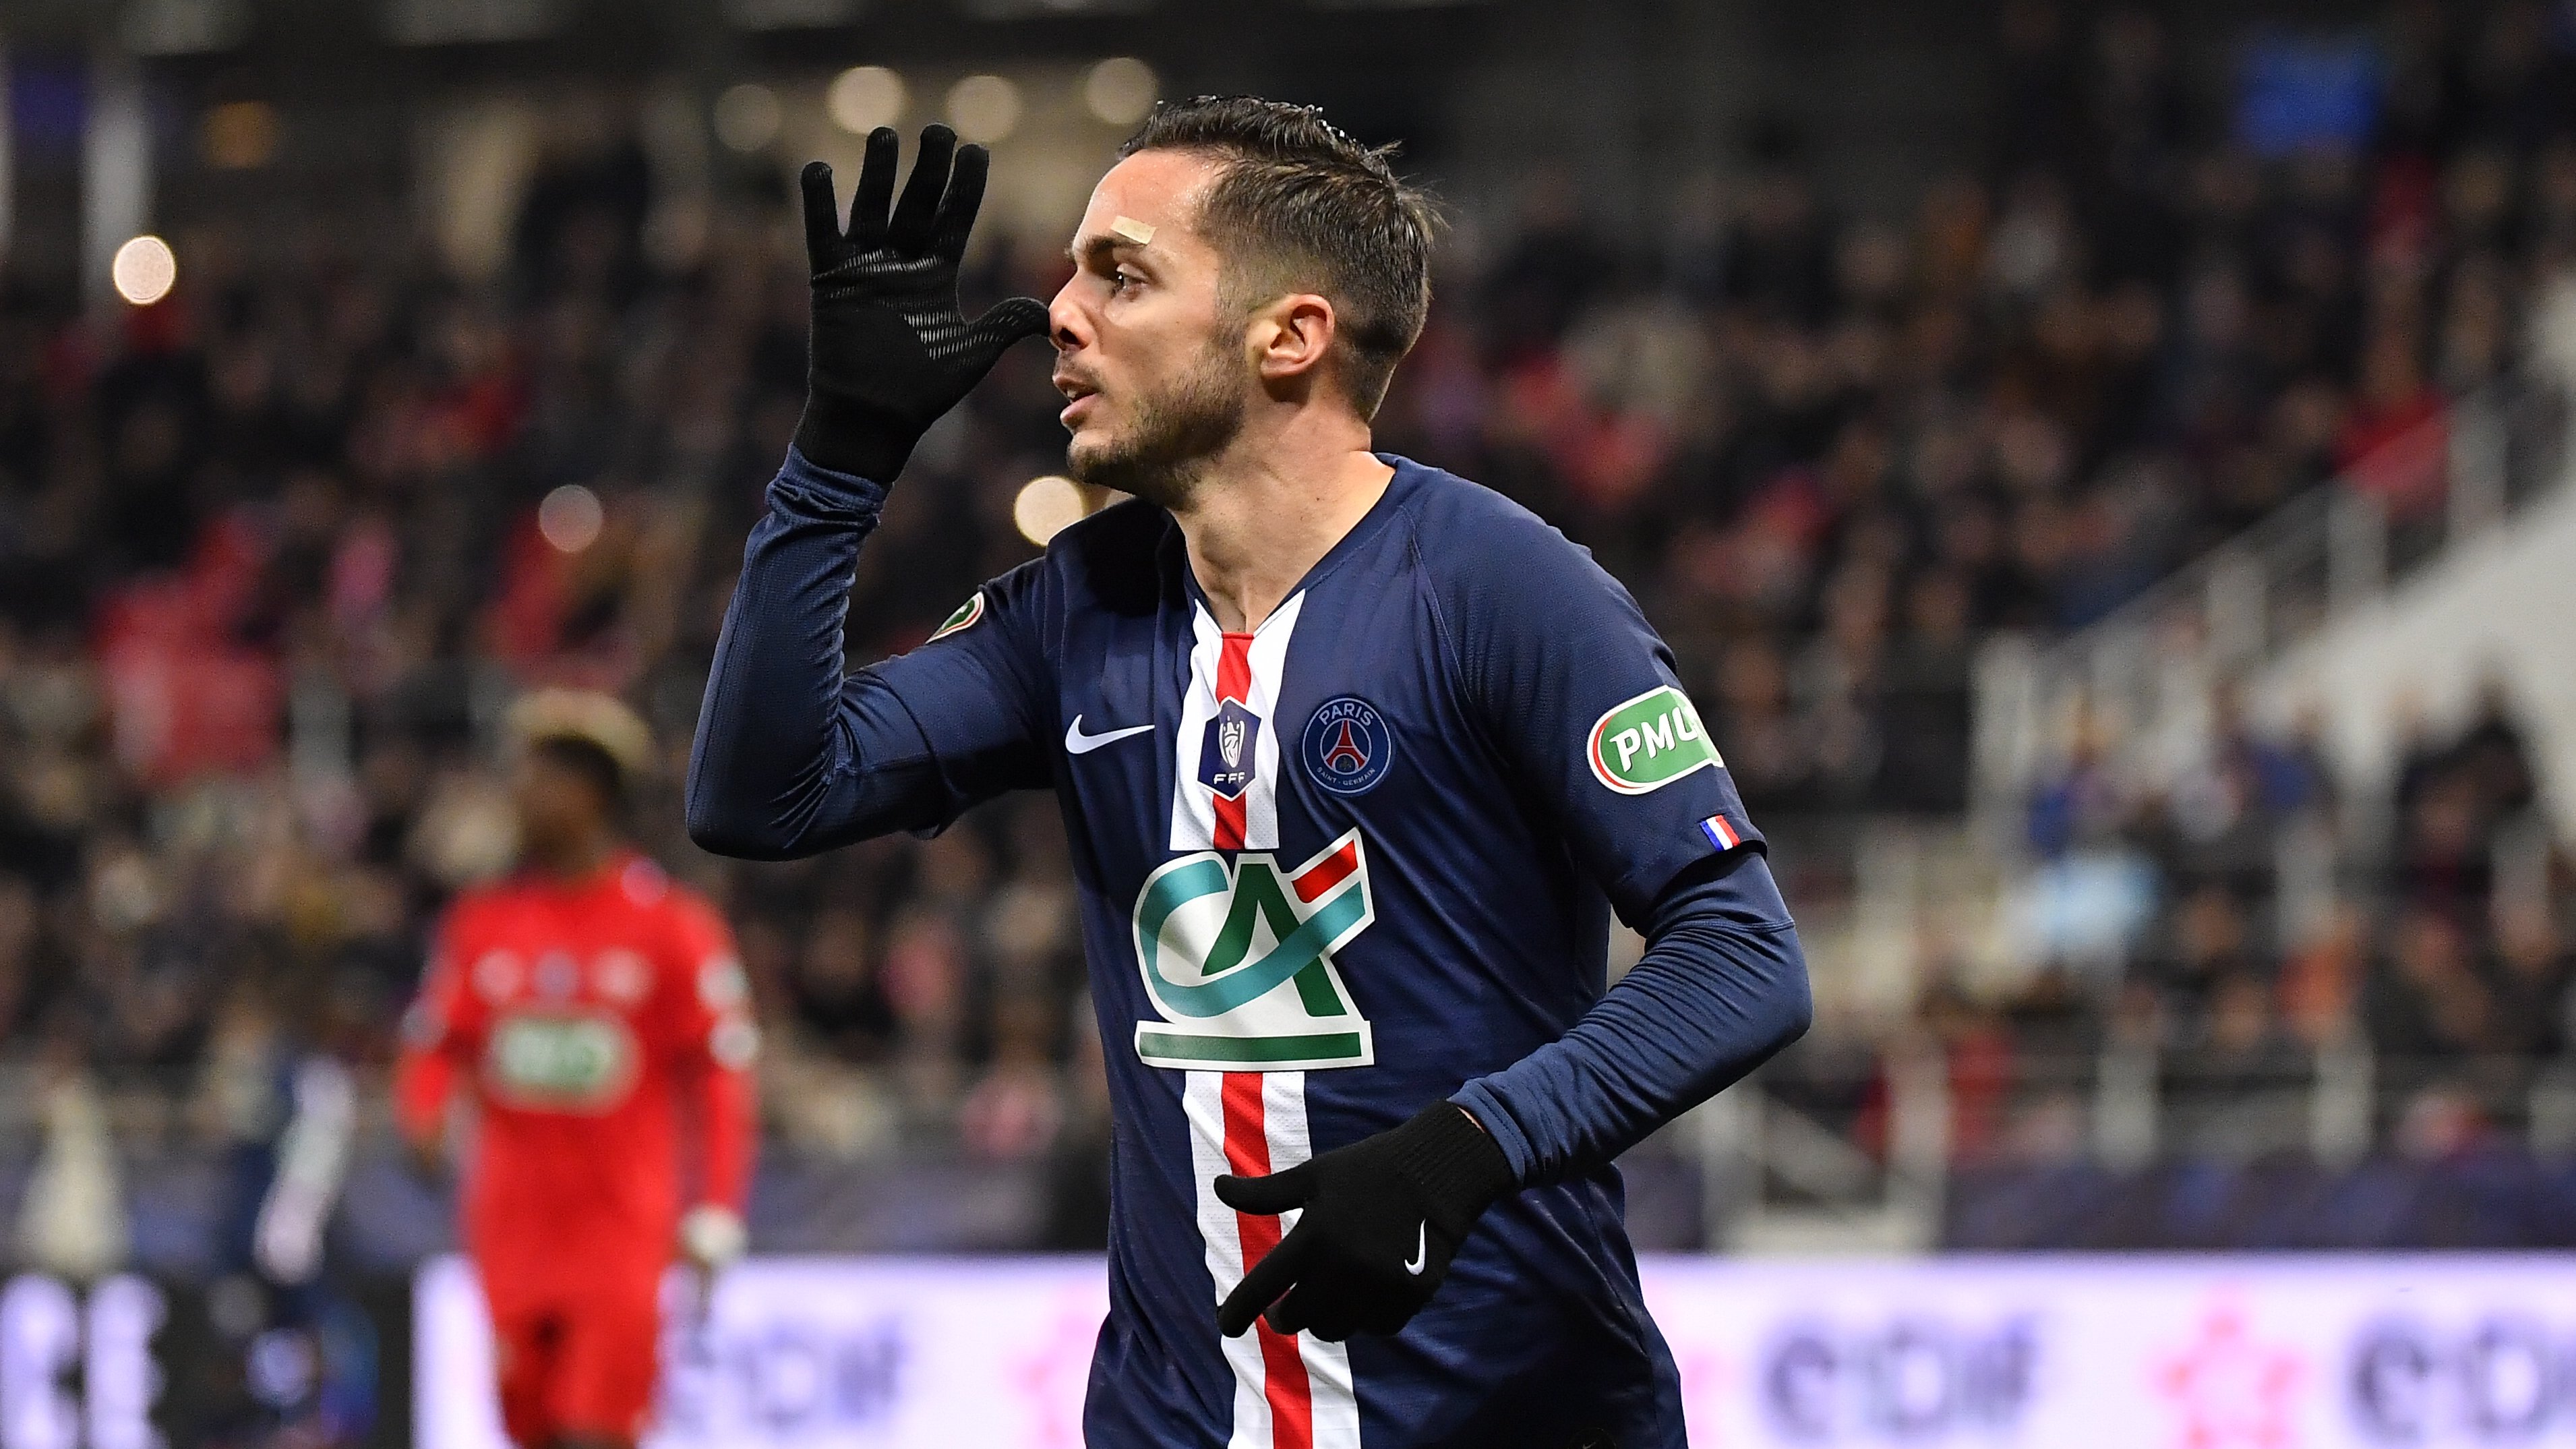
point(1348, 747)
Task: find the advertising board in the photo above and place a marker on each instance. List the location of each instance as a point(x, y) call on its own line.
point(2101, 1353)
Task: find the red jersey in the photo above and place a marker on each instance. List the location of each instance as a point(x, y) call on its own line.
point(592, 1019)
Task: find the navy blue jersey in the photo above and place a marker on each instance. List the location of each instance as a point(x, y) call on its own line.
point(1358, 859)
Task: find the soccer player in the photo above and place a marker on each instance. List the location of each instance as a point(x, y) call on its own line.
point(1357, 760)
point(591, 1006)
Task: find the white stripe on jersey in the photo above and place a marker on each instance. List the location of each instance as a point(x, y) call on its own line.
point(1203, 1097)
point(1193, 804)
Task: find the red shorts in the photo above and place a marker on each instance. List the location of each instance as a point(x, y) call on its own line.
point(577, 1363)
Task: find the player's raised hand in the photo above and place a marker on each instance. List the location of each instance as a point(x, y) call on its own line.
point(712, 1239)
point(890, 349)
point(1377, 1223)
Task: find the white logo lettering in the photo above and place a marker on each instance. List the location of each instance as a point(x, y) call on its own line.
point(1659, 736)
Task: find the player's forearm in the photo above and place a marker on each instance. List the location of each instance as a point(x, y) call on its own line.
point(422, 1081)
point(1721, 987)
point(793, 757)
point(730, 1122)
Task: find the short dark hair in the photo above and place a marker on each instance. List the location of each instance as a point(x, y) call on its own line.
point(593, 764)
point(1299, 206)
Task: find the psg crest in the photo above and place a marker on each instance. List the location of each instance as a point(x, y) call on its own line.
point(1348, 747)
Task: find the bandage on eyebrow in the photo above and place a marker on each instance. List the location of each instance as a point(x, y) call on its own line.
point(1132, 229)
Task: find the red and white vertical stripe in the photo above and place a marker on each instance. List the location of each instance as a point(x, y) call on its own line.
point(1291, 1391)
point(1244, 668)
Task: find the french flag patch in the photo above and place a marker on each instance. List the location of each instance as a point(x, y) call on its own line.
point(1720, 834)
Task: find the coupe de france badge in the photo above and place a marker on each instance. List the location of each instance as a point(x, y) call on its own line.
point(1226, 755)
point(1347, 746)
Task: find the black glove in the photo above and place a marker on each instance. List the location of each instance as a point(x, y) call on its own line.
point(1381, 1219)
point(890, 350)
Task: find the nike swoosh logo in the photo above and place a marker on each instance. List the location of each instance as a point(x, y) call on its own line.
point(1078, 743)
point(1421, 1250)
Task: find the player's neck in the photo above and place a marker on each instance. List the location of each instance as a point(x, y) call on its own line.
point(1267, 511)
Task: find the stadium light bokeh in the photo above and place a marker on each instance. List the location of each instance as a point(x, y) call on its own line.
point(571, 518)
point(747, 117)
point(240, 135)
point(984, 108)
point(144, 271)
point(865, 97)
point(1045, 506)
point(1120, 90)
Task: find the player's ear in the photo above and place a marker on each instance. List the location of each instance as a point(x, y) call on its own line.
point(1291, 337)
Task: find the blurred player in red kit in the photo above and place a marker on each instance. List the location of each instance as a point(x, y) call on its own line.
point(596, 1013)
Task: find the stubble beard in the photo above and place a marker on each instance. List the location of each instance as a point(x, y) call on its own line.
point(1164, 454)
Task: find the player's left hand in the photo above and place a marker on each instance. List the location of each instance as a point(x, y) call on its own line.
point(712, 1236)
point(1377, 1223)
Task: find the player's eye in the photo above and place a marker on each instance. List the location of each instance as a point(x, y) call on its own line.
point(1119, 279)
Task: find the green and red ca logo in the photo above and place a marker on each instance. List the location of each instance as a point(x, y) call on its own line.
point(1237, 956)
point(1648, 742)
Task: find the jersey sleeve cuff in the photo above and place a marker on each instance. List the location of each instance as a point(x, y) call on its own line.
point(834, 492)
point(1491, 1114)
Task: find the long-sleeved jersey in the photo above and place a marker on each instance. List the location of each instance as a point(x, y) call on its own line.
point(1359, 858)
point(593, 1021)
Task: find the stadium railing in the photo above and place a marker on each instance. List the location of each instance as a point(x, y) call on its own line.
point(1865, 1152)
point(2149, 669)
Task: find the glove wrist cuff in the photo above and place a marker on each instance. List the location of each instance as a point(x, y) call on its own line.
point(847, 439)
point(1459, 1169)
point(814, 491)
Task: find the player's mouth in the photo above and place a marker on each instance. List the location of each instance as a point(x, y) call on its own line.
point(1080, 393)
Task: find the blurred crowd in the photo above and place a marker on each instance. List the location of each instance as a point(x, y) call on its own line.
point(275, 552)
point(2268, 1013)
point(1829, 452)
point(2256, 925)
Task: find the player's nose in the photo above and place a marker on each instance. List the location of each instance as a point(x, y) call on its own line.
point(1067, 327)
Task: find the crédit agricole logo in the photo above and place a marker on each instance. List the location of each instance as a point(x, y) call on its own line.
point(1237, 956)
